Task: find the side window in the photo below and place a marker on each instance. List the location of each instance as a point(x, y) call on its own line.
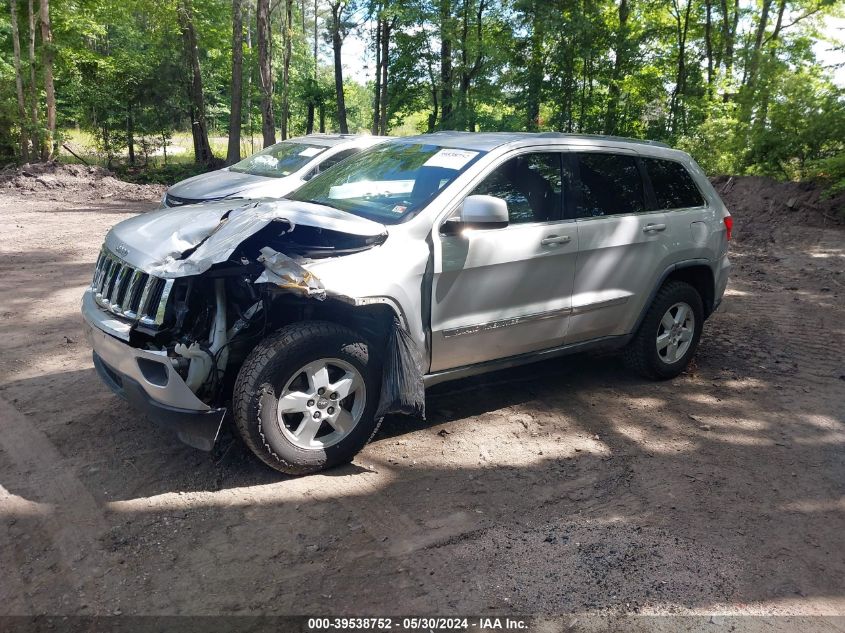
point(530, 184)
point(608, 184)
point(673, 186)
point(331, 161)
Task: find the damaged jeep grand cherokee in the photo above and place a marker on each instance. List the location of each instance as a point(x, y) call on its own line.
point(423, 259)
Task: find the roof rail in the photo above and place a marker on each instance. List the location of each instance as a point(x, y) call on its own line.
point(602, 137)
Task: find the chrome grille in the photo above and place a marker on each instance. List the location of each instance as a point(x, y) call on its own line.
point(129, 292)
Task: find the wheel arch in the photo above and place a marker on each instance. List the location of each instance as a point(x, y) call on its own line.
point(696, 272)
point(371, 317)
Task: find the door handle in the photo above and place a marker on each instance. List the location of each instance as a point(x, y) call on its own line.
point(653, 228)
point(554, 240)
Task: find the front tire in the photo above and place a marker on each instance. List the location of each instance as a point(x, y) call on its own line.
point(306, 396)
point(669, 333)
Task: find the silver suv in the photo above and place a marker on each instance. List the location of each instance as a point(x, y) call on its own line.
point(273, 172)
point(422, 260)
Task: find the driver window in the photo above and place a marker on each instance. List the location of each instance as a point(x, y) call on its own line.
point(530, 184)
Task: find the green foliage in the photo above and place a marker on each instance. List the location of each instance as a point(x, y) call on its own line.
point(750, 101)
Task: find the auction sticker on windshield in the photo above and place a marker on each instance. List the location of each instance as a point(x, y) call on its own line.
point(311, 151)
point(450, 158)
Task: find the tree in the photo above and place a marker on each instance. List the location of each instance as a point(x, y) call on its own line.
point(268, 124)
point(233, 153)
point(47, 147)
point(446, 105)
point(620, 59)
point(337, 31)
point(16, 46)
point(471, 63)
point(288, 38)
point(199, 128)
point(33, 85)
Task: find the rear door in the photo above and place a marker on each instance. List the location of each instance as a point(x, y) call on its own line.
point(690, 220)
point(622, 246)
point(506, 291)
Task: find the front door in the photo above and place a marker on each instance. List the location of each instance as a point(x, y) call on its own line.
point(506, 291)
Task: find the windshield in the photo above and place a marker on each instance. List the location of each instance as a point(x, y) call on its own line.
point(279, 160)
point(389, 182)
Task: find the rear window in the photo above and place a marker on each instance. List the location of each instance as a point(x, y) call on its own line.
point(608, 184)
point(673, 186)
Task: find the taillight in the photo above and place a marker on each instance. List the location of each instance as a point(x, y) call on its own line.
point(729, 226)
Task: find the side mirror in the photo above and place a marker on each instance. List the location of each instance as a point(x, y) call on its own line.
point(478, 212)
point(484, 212)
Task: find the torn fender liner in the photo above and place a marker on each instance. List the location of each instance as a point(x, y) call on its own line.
point(284, 272)
point(402, 389)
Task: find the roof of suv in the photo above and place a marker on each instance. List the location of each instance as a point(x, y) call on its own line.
point(330, 140)
point(485, 141)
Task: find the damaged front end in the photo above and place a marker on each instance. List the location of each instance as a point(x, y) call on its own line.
point(180, 298)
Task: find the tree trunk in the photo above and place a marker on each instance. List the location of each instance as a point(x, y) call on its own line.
point(47, 54)
point(615, 89)
point(130, 133)
point(377, 87)
point(288, 37)
point(750, 78)
point(309, 118)
point(445, 64)
point(199, 130)
point(233, 152)
point(749, 82)
point(337, 45)
point(35, 132)
point(730, 23)
point(268, 123)
point(312, 97)
point(765, 86)
point(48, 145)
point(535, 73)
point(16, 47)
point(249, 75)
point(676, 105)
point(708, 44)
point(385, 60)
point(316, 22)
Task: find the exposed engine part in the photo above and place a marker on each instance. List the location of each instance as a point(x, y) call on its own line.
point(286, 273)
point(200, 364)
point(203, 359)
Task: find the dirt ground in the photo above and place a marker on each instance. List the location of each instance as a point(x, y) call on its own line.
point(567, 486)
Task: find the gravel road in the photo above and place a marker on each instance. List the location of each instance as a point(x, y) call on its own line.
point(567, 486)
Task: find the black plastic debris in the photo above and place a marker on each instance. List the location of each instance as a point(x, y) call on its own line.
point(402, 389)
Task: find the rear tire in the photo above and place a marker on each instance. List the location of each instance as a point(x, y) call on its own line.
point(668, 336)
point(279, 412)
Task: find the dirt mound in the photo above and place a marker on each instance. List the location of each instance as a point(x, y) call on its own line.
point(73, 182)
point(763, 207)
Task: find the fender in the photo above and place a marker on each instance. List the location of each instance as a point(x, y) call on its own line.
point(688, 263)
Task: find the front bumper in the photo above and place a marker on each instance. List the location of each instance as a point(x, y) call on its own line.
point(148, 381)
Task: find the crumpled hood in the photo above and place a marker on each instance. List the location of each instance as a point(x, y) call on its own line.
point(216, 184)
point(157, 241)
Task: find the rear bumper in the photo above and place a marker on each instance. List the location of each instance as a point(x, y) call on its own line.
point(721, 275)
point(148, 381)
